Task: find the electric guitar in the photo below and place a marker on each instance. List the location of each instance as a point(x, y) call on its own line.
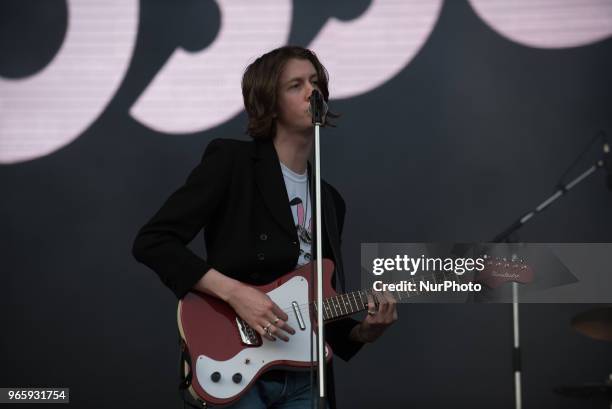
point(225, 356)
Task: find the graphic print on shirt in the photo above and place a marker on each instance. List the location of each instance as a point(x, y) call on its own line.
point(298, 194)
point(304, 229)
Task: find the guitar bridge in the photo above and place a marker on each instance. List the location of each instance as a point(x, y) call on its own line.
point(247, 334)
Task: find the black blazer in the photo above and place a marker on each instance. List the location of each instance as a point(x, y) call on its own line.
point(238, 195)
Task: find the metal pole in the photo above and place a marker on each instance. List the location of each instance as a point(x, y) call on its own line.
point(517, 348)
point(319, 267)
point(503, 236)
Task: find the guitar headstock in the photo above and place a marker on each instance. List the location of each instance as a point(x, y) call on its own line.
point(500, 270)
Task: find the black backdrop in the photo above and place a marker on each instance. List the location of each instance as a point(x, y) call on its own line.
point(474, 131)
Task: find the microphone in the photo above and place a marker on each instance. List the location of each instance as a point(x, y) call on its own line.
point(318, 107)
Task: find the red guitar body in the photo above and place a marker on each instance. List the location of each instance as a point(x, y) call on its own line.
point(227, 357)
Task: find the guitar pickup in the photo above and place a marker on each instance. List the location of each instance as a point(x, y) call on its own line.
point(298, 315)
point(247, 334)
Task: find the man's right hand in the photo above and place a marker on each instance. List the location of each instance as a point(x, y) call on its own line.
point(260, 312)
point(252, 305)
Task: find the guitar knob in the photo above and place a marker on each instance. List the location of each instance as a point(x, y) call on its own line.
point(237, 378)
point(215, 377)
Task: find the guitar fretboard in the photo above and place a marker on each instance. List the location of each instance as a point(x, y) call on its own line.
point(344, 305)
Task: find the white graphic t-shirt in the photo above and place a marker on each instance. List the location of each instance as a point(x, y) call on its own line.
point(301, 208)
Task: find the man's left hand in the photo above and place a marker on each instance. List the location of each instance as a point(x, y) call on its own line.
point(377, 320)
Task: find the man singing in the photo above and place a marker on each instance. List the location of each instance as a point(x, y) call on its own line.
point(253, 201)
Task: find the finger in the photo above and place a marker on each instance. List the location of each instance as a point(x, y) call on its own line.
point(391, 312)
point(262, 329)
point(383, 305)
point(379, 297)
point(278, 312)
point(282, 325)
point(371, 305)
point(278, 333)
point(277, 321)
point(279, 328)
point(389, 297)
point(388, 310)
point(392, 305)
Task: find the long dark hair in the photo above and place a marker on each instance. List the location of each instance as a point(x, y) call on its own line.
point(259, 88)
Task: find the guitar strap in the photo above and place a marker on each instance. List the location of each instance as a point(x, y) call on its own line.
point(184, 359)
point(185, 378)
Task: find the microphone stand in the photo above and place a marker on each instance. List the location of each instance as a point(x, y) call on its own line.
point(318, 110)
point(504, 236)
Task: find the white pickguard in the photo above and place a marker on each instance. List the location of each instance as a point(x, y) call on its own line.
point(250, 360)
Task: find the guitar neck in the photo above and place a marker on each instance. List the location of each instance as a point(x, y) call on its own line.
point(347, 304)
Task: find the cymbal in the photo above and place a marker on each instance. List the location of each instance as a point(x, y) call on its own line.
point(595, 323)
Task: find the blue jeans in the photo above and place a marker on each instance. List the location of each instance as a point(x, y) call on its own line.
point(288, 390)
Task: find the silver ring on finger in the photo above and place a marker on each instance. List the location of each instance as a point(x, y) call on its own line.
point(267, 329)
point(371, 312)
point(276, 320)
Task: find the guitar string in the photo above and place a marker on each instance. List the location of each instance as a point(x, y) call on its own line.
point(445, 276)
point(409, 294)
point(372, 292)
point(334, 313)
point(339, 306)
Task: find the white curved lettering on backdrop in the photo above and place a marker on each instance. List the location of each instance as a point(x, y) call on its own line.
point(197, 91)
point(364, 53)
point(48, 110)
point(548, 23)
